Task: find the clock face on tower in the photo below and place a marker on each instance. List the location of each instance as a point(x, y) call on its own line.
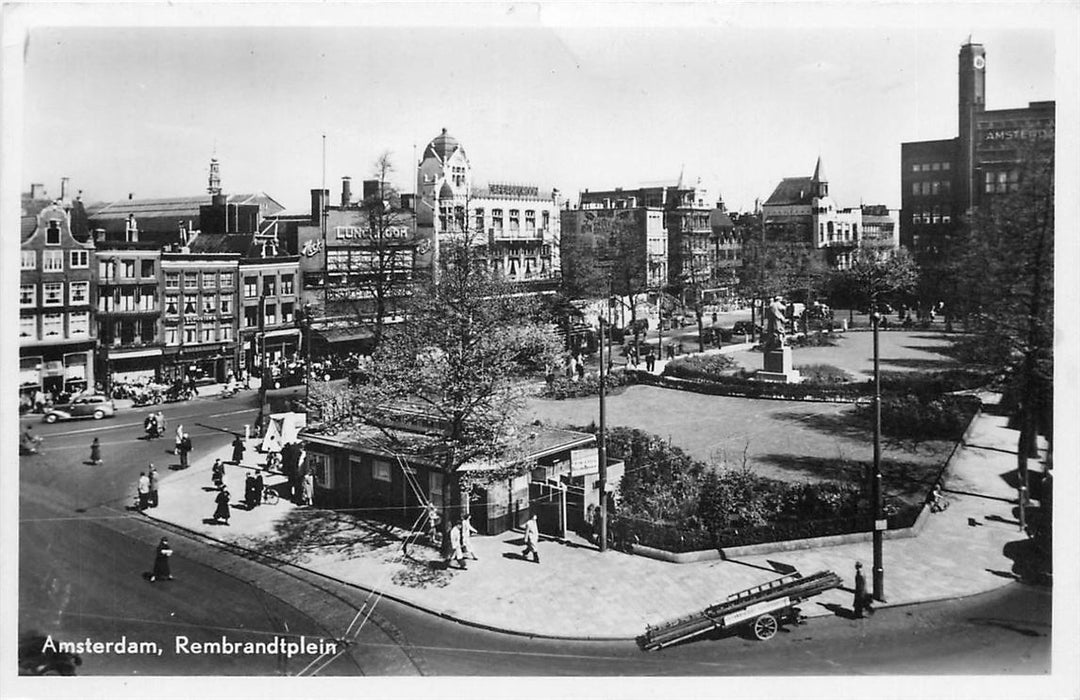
point(980, 62)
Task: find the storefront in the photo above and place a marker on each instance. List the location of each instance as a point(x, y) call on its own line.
point(56, 370)
point(208, 364)
point(133, 365)
point(351, 471)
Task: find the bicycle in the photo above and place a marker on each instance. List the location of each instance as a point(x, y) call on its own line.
point(270, 496)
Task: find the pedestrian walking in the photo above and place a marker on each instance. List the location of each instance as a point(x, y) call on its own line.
point(144, 491)
point(237, 450)
point(217, 474)
point(222, 512)
point(433, 524)
point(650, 360)
point(183, 449)
point(152, 476)
point(159, 420)
point(161, 562)
point(532, 537)
point(862, 601)
point(95, 452)
point(455, 546)
point(249, 492)
point(308, 496)
point(179, 437)
point(671, 351)
point(260, 488)
point(467, 531)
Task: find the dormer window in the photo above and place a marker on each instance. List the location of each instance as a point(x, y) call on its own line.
point(52, 233)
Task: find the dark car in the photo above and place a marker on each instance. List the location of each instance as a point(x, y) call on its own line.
point(745, 328)
point(95, 406)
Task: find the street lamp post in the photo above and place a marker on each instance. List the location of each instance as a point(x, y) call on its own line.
point(880, 521)
point(602, 446)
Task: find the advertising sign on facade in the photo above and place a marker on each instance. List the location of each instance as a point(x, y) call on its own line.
point(584, 461)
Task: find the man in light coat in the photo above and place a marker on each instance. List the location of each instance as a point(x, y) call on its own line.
point(532, 537)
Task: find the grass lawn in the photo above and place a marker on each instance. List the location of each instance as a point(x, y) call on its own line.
point(789, 440)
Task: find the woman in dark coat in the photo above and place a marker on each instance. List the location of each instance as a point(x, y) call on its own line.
point(95, 452)
point(222, 512)
point(238, 450)
point(161, 562)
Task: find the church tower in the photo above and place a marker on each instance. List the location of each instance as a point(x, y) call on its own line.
point(214, 183)
point(972, 102)
point(819, 183)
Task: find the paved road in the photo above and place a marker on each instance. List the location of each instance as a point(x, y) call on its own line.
point(82, 577)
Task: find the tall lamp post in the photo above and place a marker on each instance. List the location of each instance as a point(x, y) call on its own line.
point(880, 522)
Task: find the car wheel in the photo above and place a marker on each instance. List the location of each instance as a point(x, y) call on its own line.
point(99, 414)
point(50, 418)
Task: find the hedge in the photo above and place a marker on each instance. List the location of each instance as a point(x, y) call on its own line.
point(589, 385)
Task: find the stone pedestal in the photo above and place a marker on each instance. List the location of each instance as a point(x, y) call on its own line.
point(778, 367)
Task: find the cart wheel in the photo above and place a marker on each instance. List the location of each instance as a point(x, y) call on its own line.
point(765, 627)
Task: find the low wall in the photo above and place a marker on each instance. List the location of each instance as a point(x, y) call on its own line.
point(751, 550)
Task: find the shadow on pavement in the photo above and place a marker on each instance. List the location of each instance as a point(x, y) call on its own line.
point(304, 533)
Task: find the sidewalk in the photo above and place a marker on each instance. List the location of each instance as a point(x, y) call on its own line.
point(576, 592)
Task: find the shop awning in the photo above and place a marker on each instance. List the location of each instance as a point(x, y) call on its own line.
point(124, 354)
point(281, 333)
point(343, 335)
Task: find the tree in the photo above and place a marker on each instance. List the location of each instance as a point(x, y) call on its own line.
point(877, 276)
point(777, 267)
point(457, 359)
point(1007, 280)
point(379, 275)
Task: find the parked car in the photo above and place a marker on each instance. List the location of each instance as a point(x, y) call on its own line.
point(745, 328)
point(95, 406)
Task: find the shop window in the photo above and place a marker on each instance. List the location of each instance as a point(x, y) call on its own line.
point(79, 259)
point(79, 293)
point(319, 466)
point(52, 325)
point(52, 233)
point(52, 261)
point(28, 327)
point(53, 294)
point(29, 260)
point(78, 323)
point(380, 470)
point(146, 268)
point(27, 295)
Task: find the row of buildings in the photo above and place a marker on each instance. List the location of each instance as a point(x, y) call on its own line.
point(203, 286)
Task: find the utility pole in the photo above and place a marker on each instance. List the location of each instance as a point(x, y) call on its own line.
point(880, 522)
point(264, 374)
point(602, 443)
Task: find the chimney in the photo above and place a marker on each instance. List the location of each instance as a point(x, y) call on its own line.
point(346, 191)
point(131, 196)
point(63, 188)
point(318, 197)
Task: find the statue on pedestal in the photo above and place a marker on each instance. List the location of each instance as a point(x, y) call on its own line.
point(776, 324)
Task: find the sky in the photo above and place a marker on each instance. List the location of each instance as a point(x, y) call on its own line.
point(739, 99)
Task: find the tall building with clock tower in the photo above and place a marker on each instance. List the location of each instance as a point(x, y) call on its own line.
point(943, 180)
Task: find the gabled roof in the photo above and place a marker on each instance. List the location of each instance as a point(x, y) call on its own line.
point(792, 190)
point(222, 243)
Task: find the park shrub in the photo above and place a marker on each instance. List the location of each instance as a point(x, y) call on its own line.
point(817, 339)
point(922, 417)
point(707, 367)
point(823, 375)
point(589, 385)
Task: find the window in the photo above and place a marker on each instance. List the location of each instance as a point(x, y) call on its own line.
point(225, 279)
point(171, 334)
point(79, 259)
point(936, 166)
point(337, 260)
point(226, 306)
point(251, 287)
point(226, 332)
point(380, 470)
point(515, 223)
point(209, 280)
point(271, 314)
point(320, 468)
point(79, 293)
point(946, 165)
point(190, 334)
point(148, 330)
point(189, 303)
point(545, 219)
point(916, 168)
point(209, 303)
point(530, 220)
point(270, 286)
point(53, 294)
point(288, 284)
point(191, 280)
point(52, 325)
point(988, 181)
point(208, 333)
point(28, 327)
point(27, 295)
point(935, 215)
point(78, 323)
point(29, 260)
point(172, 280)
point(146, 268)
point(459, 176)
point(251, 316)
point(916, 188)
point(52, 261)
point(287, 312)
point(946, 217)
point(478, 215)
point(127, 269)
point(935, 187)
point(52, 233)
point(497, 219)
point(172, 304)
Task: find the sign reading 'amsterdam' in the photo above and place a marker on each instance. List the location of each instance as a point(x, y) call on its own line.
point(995, 135)
point(354, 232)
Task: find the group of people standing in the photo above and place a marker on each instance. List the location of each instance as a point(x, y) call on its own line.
point(148, 489)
